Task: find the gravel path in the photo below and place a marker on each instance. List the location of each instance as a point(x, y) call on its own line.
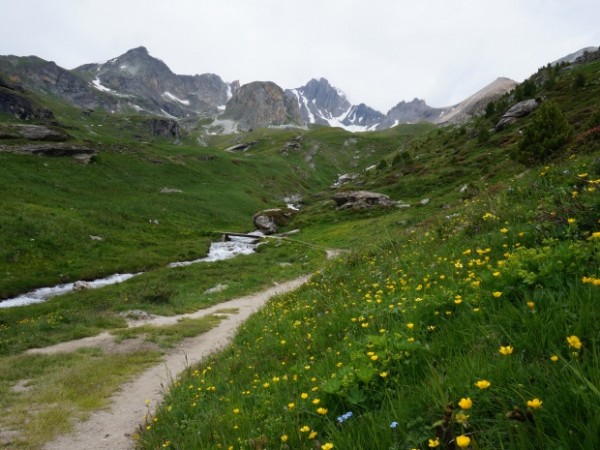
point(113, 428)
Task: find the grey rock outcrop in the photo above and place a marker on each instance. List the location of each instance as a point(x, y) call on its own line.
point(32, 132)
point(260, 104)
point(361, 200)
point(269, 220)
point(168, 128)
point(411, 112)
point(515, 112)
point(14, 101)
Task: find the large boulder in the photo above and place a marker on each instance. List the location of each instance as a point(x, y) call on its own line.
point(269, 220)
point(361, 200)
point(515, 112)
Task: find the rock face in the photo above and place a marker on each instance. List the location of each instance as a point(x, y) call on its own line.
point(414, 111)
point(521, 109)
point(146, 83)
point(322, 104)
point(361, 200)
point(39, 75)
point(269, 220)
point(15, 101)
point(50, 149)
point(262, 103)
point(32, 132)
point(168, 128)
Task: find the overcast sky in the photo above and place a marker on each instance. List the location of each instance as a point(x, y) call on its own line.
point(378, 52)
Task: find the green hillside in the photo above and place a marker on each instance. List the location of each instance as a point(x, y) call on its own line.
point(466, 317)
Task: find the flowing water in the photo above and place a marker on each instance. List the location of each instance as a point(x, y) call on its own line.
point(218, 251)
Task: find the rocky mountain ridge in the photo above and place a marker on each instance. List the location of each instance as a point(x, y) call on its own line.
point(138, 82)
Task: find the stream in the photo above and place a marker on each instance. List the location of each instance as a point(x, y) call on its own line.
point(218, 251)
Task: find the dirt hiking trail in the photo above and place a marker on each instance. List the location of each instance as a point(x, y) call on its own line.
point(113, 427)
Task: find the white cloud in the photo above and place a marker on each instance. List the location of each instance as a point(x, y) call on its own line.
point(379, 52)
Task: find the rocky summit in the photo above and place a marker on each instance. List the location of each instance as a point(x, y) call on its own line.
point(138, 83)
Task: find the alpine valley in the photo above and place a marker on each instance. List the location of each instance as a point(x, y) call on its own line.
point(424, 278)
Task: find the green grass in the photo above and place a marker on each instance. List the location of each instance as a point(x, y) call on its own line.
point(57, 389)
point(402, 330)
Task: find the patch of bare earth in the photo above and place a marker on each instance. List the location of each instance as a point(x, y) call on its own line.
point(113, 428)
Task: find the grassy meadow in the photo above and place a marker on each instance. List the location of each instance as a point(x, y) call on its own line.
point(468, 319)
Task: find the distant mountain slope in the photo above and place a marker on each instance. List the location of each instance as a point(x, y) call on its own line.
point(137, 81)
point(476, 103)
point(322, 104)
point(150, 85)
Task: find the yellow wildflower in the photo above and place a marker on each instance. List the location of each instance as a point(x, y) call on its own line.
point(506, 350)
point(574, 342)
point(497, 294)
point(312, 435)
point(432, 443)
point(483, 384)
point(327, 446)
point(465, 403)
point(554, 358)
point(322, 411)
point(463, 441)
point(284, 438)
point(536, 403)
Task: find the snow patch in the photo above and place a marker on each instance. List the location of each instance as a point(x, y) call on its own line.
point(176, 99)
point(98, 85)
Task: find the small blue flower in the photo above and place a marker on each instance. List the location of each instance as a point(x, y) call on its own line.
point(393, 424)
point(344, 417)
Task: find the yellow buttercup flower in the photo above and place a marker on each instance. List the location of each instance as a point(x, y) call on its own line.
point(465, 403)
point(463, 441)
point(506, 350)
point(432, 443)
point(483, 384)
point(497, 294)
point(327, 446)
point(284, 438)
point(554, 358)
point(322, 411)
point(574, 342)
point(536, 403)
